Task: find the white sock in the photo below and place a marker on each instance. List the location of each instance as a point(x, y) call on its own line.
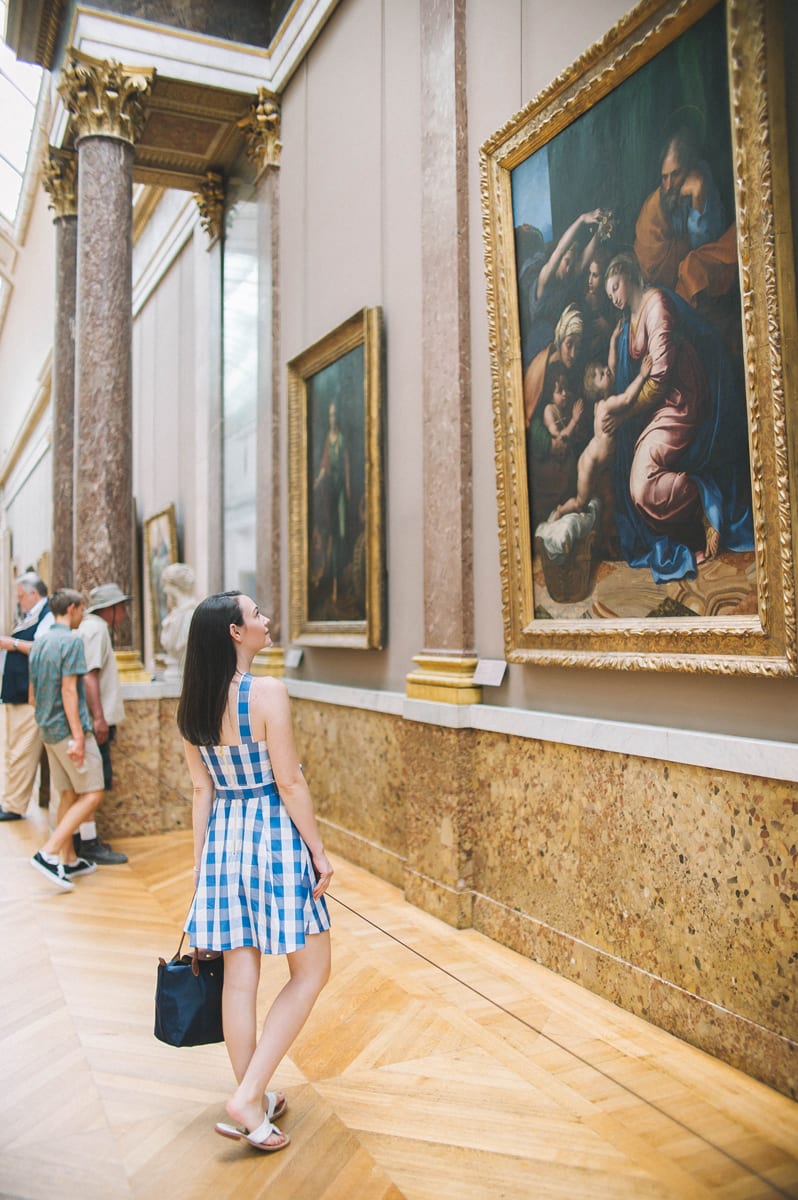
point(52, 859)
point(88, 831)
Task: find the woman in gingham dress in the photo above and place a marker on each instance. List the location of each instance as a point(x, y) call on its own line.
point(260, 866)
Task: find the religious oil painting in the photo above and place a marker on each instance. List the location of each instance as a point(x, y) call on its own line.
point(636, 260)
point(336, 492)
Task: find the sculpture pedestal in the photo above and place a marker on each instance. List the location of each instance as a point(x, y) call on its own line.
point(131, 668)
point(269, 662)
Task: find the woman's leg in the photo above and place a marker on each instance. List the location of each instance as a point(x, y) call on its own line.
point(239, 1005)
point(309, 971)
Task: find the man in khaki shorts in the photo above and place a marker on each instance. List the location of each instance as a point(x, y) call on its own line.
point(101, 619)
point(57, 665)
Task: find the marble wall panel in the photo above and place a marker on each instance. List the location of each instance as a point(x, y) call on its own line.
point(440, 821)
point(526, 851)
point(439, 782)
point(354, 765)
point(176, 791)
point(174, 771)
point(133, 806)
point(748, 1045)
point(151, 794)
point(687, 875)
point(694, 883)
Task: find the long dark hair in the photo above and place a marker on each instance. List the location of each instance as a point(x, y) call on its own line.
point(209, 667)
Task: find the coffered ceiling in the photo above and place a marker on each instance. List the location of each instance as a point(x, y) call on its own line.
point(203, 84)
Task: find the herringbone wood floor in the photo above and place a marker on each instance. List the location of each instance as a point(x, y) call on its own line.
point(436, 1065)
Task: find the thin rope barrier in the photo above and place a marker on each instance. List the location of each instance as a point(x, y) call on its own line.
point(567, 1050)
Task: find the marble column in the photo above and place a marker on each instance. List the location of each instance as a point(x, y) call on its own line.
point(60, 182)
point(439, 846)
point(106, 102)
point(261, 127)
point(445, 668)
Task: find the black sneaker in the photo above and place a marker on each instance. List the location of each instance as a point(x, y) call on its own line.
point(98, 852)
point(55, 872)
point(81, 867)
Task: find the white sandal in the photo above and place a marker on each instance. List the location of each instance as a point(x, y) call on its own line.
point(265, 1130)
point(274, 1110)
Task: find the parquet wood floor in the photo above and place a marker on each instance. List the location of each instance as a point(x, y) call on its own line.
point(437, 1065)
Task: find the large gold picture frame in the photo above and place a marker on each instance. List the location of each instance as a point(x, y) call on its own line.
point(336, 487)
point(578, 174)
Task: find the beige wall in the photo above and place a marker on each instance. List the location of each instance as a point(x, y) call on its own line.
point(25, 346)
point(349, 238)
point(27, 334)
point(164, 405)
point(28, 498)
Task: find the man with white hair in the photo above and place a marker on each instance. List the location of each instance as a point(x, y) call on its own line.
point(22, 745)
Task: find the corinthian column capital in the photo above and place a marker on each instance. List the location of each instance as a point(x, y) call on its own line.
point(261, 128)
point(60, 181)
point(210, 202)
point(103, 98)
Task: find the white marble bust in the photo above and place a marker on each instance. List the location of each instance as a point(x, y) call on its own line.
point(178, 581)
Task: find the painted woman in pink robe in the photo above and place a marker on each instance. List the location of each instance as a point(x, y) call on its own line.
point(682, 487)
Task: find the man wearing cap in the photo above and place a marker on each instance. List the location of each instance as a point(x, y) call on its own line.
point(22, 745)
point(104, 613)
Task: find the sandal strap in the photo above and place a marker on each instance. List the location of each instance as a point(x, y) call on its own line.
point(271, 1104)
point(264, 1131)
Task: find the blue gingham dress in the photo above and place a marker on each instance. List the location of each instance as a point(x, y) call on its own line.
point(256, 877)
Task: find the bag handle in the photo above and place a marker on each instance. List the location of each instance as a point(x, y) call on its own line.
point(196, 954)
point(176, 958)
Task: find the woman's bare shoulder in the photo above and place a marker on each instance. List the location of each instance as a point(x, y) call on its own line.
point(269, 691)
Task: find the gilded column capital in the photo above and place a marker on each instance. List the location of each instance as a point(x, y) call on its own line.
point(60, 181)
point(105, 98)
point(210, 202)
point(261, 128)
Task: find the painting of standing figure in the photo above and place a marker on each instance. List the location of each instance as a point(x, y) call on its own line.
point(336, 420)
point(623, 309)
point(335, 454)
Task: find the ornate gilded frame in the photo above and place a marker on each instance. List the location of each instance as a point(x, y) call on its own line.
point(345, 365)
point(764, 642)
